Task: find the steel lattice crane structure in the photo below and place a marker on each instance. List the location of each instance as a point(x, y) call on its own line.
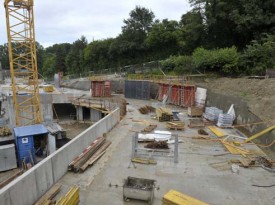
point(23, 61)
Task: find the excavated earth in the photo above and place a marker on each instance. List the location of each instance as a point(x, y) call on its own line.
point(257, 93)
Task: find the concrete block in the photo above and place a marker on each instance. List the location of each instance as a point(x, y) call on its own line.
point(23, 190)
point(43, 176)
point(5, 197)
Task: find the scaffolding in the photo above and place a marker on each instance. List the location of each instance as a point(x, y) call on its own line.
point(23, 61)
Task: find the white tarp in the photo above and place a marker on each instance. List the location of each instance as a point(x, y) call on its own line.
point(157, 136)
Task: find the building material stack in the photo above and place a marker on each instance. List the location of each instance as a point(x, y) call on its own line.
point(212, 113)
point(225, 120)
point(175, 125)
point(90, 155)
point(164, 114)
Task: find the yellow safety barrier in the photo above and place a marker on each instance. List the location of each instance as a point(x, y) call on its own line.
point(71, 198)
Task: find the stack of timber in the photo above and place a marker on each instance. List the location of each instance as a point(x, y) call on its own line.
point(47, 199)
point(90, 155)
point(146, 109)
point(195, 111)
point(149, 128)
point(71, 198)
point(176, 198)
point(164, 114)
point(175, 125)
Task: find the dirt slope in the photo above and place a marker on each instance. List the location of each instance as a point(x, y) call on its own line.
point(259, 94)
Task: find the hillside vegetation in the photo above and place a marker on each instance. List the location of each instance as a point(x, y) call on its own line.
point(227, 37)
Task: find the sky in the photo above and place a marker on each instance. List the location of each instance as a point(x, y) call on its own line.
point(67, 20)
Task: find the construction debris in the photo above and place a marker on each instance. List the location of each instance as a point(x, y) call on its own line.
point(263, 161)
point(149, 128)
point(89, 155)
point(164, 114)
point(157, 145)
point(176, 198)
point(146, 109)
point(175, 125)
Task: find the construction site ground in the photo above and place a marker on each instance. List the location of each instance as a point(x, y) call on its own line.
point(199, 173)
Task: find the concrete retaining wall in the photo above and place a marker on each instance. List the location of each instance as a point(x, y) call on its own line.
point(30, 186)
point(244, 115)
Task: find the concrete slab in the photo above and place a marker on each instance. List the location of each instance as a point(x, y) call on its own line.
point(194, 175)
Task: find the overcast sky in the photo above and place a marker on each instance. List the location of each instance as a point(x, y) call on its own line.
point(66, 20)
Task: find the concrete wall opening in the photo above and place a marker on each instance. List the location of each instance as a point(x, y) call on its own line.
point(64, 111)
point(86, 113)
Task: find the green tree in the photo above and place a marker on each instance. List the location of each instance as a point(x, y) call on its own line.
point(75, 58)
point(192, 31)
point(4, 56)
point(96, 55)
point(259, 55)
point(163, 39)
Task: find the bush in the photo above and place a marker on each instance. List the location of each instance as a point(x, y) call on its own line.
point(259, 55)
point(179, 64)
point(224, 60)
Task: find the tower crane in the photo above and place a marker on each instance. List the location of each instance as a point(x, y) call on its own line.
point(23, 61)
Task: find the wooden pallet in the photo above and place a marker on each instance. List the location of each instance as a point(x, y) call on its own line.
point(175, 125)
point(164, 114)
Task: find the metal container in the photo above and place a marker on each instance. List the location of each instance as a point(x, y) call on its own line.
point(139, 188)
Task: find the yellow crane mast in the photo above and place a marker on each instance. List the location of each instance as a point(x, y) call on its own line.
point(23, 61)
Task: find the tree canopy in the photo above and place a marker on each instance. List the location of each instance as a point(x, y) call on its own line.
point(231, 37)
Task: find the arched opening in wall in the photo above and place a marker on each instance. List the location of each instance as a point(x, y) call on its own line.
point(64, 111)
point(86, 114)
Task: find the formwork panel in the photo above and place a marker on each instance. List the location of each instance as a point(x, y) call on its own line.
point(175, 96)
point(137, 89)
point(101, 88)
point(163, 90)
point(188, 95)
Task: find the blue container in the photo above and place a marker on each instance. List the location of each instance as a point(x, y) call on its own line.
point(24, 137)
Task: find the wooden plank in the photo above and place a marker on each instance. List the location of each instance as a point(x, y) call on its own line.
point(49, 195)
point(234, 149)
point(176, 198)
point(95, 156)
point(217, 131)
point(143, 161)
point(11, 178)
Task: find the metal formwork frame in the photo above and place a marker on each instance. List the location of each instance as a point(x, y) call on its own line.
point(23, 61)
